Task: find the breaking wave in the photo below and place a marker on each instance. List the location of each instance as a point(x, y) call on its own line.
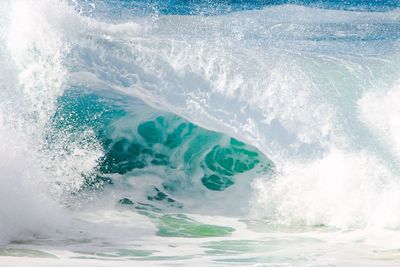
point(283, 112)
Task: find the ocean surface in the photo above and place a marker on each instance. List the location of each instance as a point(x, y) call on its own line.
point(199, 133)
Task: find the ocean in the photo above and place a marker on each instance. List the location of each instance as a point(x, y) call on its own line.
point(199, 133)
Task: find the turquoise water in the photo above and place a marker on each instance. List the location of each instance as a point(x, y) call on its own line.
point(158, 142)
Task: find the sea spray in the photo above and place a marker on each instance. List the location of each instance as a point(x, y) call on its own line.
point(34, 176)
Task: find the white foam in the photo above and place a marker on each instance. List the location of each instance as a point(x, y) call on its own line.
point(381, 111)
point(25, 209)
point(343, 189)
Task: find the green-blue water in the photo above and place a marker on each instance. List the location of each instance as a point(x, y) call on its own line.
point(155, 141)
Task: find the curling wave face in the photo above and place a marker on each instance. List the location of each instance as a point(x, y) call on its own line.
point(147, 140)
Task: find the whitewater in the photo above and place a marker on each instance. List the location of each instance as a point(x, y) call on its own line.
point(168, 133)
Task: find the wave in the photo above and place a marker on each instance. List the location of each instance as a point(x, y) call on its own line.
point(147, 142)
point(287, 108)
